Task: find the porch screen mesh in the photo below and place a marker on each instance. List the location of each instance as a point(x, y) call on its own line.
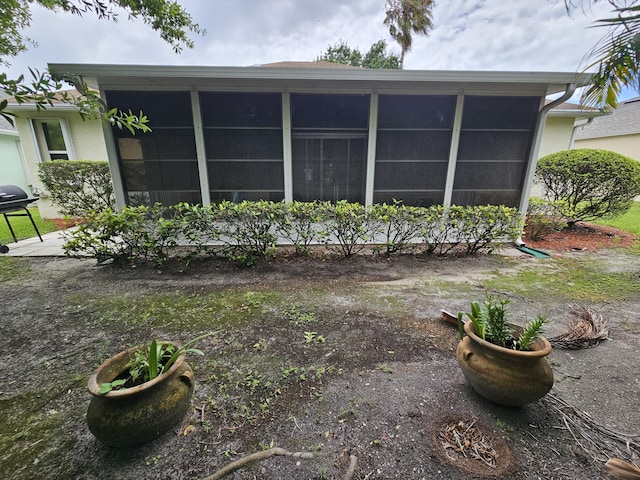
point(412, 148)
point(329, 146)
point(495, 142)
point(243, 142)
point(161, 165)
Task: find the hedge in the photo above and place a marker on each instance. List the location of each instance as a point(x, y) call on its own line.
point(247, 232)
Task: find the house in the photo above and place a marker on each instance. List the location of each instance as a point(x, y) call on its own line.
point(58, 132)
point(12, 162)
point(291, 132)
point(619, 132)
point(563, 121)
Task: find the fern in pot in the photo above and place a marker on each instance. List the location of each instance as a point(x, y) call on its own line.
point(502, 361)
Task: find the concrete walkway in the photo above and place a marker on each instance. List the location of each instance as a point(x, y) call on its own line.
point(51, 246)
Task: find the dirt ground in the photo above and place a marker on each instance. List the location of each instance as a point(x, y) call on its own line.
point(339, 358)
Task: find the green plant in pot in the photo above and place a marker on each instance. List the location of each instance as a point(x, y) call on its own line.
point(140, 393)
point(503, 362)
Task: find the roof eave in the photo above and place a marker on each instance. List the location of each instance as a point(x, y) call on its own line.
point(553, 81)
point(577, 113)
point(31, 107)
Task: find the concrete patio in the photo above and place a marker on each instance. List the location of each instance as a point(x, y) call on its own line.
point(51, 246)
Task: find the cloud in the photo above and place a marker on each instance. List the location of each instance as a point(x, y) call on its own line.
point(537, 35)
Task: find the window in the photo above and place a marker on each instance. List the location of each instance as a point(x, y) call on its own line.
point(52, 138)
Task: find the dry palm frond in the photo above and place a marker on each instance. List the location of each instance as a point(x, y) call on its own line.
point(586, 329)
point(598, 441)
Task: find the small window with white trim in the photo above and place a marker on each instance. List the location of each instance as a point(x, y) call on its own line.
point(52, 137)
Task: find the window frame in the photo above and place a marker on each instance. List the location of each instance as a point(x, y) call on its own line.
point(40, 143)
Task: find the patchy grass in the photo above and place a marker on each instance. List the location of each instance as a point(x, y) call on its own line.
point(570, 279)
point(12, 269)
point(178, 311)
point(23, 229)
point(629, 222)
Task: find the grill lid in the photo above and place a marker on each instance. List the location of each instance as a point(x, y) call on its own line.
point(10, 193)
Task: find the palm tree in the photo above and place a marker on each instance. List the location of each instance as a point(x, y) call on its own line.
point(405, 17)
point(616, 57)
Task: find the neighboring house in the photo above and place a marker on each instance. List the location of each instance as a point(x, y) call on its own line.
point(619, 131)
point(59, 132)
point(563, 121)
point(12, 163)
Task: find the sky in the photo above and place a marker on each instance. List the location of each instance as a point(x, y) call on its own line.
point(512, 35)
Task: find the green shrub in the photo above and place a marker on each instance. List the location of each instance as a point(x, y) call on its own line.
point(484, 226)
point(134, 235)
point(543, 217)
point(400, 224)
point(440, 231)
point(78, 187)
point(299, 225)
point(248, 229)
point(346, 227)
point(199, 226)
point(592, 183)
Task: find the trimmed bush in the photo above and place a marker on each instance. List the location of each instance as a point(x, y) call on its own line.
point(78, 188)
point(591, 183)
point(134, 235)
point(346, 227)
point(249, 231)
point(299, 225)
point(399, 224)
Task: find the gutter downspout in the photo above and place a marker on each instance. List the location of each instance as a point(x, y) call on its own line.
point(533, 156)
point(575, 129)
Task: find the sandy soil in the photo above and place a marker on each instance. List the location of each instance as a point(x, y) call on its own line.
point(384, 385)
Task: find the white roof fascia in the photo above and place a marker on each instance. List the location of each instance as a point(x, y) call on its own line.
point(577, 113)
point(553, 81)
point(31, 107)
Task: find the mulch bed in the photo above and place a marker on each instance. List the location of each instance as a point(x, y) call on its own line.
point(586, 237)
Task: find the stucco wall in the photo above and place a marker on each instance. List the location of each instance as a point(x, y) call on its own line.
point(86, 137)
point(556, 135)
point(628, 145)
point(11, 163)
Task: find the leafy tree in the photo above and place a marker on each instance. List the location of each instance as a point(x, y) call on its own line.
point(589, 184)
point(406, 17)
point(166, 17)
point(616, 57)
point(376, 57)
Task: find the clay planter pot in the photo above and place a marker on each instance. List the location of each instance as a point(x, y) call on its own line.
point(507, 377)
point(130, 416)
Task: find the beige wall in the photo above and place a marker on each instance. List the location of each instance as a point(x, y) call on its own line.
point(556, 135)
point(86, 137)
point(628, 145)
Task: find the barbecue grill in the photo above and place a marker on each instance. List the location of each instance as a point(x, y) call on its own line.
point(13, 199)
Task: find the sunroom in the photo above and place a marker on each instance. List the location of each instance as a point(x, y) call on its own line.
point(291, 133)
